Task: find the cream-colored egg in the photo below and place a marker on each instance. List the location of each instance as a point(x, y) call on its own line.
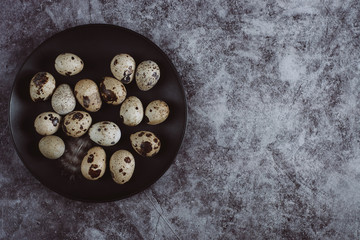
point(105, 133)
point(52, 147)
point(122, 166)
point(87, 94)
point(63, 100)
point(122, 67)
point(147, 75)
point(157, 112)
point(131, 111)
point(76, 123)
point(93, 165)
point(42, 86)
point(112, 91)
point(145, 143)
point(68, 64)
point(47, 123)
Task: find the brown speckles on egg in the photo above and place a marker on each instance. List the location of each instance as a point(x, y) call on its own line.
point(40, 79)
point(145, 148)
point(94, 172)
point(77, 116)
point(90, 158)
point(86, 101)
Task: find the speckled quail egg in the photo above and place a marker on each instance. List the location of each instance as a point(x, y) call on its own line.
point(157, 112)
point(112, 91)
point(93, 164)
point(42, 86)
point(147, 75)
point(47, 123)
point(52, 147)
point(68, 64)
point(87, 94)
point(131, 111)
point(122, 165)
point(105, 133)
point(145, 143)
point(63, 100)
point(76, 123)
point(122, 67)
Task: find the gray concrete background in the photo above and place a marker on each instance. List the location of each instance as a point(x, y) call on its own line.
point(272, 146)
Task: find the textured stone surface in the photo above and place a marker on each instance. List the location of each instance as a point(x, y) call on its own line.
point(272, 146)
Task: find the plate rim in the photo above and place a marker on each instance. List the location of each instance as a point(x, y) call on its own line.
point(180, 83)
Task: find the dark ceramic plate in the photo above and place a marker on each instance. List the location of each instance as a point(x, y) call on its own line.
point(96, 45)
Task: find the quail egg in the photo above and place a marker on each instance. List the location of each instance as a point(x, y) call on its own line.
point(123, 67)
point(157, 112)
point(93, 164)
point(131, 111)
point(47, 123)
point(145, 143)
point(52, 147)
point(68, 64)
point(147, 75)
point(122, 165)
point(76, 123)
point(105, 133)
point(42, 86)
point(87, 94)
point(112, 91)
point(63, 100)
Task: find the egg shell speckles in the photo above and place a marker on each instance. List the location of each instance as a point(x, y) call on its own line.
point(42, 86)
point(122, 165)
point(112, 91)
point(68, 64)
point(52, 147)
point(123, 67)
point(93, 165)
point(63, 100)
point(157, 112)
point(88, 95)
point(147, 75)
point(145, 143)
point(76, 123)
point(47, 123)
point(105, 133)
point(132, 111)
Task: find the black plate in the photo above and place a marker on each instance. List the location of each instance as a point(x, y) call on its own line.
point(96, 45)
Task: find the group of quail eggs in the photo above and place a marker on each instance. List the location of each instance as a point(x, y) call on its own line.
point(75, 124)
